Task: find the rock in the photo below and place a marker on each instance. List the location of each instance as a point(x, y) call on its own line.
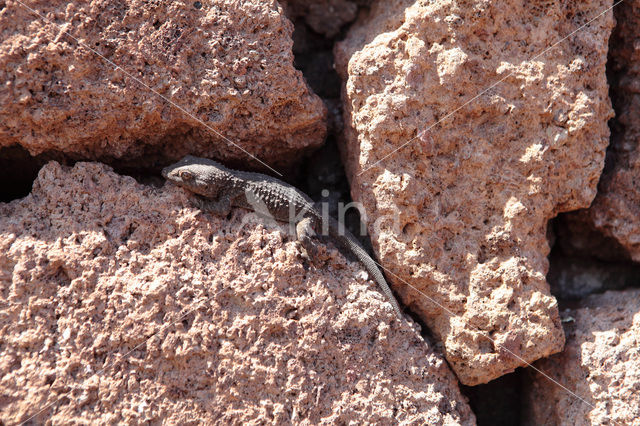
point(583, 261)
point(600, 365)
point(576, 237)
point(616, 209)
point(325, 17)
point(314, 57)
point(229, 65)
point(575, 278)
point(462, 140)
point(122, 303)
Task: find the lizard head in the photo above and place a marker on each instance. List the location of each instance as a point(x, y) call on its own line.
point(199, 175)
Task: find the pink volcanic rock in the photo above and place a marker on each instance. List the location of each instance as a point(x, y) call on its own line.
point(460, 212)
point(600, 364)
point(123, 303)
point(616, 209)
point(229, 64)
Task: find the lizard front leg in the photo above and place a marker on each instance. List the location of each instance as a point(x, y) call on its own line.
point(305, 234)
point(219, 207)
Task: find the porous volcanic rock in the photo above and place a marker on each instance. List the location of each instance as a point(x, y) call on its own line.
point(323, 16)
point(227, 64)
point(583, 261)
point(600, 365)
point(121, 302)
point(462, 139)
point(616, 209)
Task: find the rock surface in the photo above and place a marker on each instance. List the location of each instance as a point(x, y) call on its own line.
point(230, 64)
point(600, 364)
point(583, 261)
point(616, 209)
point(460, 212)
point(325, 17)
point(122, 303)
point(575, 236)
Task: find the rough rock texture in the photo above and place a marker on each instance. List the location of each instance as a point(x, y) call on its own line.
point(575, 236)
point(125, 304)
point(575, 278)
point(460, 212)
point(616, 209)
point(326, 17)
point(323, 16)
point(583, 261)
point(600, 364)
point(228, 63)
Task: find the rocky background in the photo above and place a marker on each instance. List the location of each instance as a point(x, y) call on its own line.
point(493, 145)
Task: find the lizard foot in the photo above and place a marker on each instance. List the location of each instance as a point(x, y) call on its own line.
point(314, 253)
point(305, 232)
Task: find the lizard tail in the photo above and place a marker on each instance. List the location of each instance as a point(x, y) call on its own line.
point(349, 241)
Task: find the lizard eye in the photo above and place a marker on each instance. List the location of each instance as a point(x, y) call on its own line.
point(185, 175)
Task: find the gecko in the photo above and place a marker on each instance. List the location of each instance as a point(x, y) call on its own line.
point(221, 188)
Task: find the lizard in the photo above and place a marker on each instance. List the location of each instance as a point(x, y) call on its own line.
point(220, 188)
